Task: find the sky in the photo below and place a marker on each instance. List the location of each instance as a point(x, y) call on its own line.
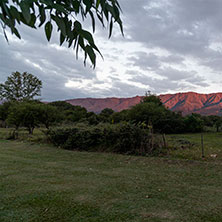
point(169, 46)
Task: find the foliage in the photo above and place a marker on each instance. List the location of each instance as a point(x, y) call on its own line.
point(218, 124)
point(48, 115)
point(170, 122)
point(69, 112)
point(119, 138)
point(75, 114)
point(4, 110)
point(32, 114)
point(61, 105)
point(153, 114)
point(24, 114)
point(65, 15)
point(213, 122)
point(152, 99)
point(15, 115)
point(150, 113)
point(92, 118)
point(19, 87)
point(194, 123)
point(105, 115)
point(118, 117)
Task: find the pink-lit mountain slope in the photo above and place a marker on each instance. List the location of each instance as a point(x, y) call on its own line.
point(205, 104)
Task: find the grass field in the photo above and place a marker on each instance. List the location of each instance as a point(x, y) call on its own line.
point(44, 183)
point(188, 146)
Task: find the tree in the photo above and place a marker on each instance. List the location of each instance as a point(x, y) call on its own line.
point(194, 123)
point(152, 113)
point(149, 97)
point(65, 15)
point(218, 124)
point(75, 114)
point(4, 110)
point(24, 114)
point(105, 115)
point(70, 112)
point(120, 116)
point(31, 114)
point(62, 105)
point(19, 87)
point(149, 113)
point(171, 122)
point(15, 115)
point(92, 118)
point(153, 99)
point(48, 115)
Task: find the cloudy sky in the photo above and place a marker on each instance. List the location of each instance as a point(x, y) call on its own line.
point(169, 46)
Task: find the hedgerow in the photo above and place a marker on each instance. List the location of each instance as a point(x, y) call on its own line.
point(125, 138)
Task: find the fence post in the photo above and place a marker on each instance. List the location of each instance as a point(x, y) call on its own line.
point(164, 141)
point(202, 146)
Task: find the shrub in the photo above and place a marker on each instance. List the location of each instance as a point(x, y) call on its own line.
point(122, 138)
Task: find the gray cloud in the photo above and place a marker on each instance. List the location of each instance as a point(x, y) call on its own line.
point(176, 80)
point(173, 59)
point(183, 27)
point(157, 85)
point(126, 89)
point(145, 61)
point(175, 75)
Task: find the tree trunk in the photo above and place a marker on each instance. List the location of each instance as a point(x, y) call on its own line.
point(31, 129)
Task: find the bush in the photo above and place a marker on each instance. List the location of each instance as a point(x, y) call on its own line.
point(194, 123)
point(122, 138)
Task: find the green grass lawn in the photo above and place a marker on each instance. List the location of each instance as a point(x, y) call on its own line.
point(44, 183)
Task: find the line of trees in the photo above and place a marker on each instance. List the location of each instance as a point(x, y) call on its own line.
point(21, 110)
point(149, 114)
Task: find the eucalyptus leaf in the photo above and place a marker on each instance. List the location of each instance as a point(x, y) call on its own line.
point(48, 30)
point(25, 11)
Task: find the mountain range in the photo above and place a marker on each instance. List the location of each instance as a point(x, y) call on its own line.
point(187, 103)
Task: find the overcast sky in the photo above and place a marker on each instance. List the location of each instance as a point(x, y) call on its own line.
point(169, 46)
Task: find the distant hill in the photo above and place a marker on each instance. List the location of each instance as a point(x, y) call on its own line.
point(204, 104)
point(187, 103)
